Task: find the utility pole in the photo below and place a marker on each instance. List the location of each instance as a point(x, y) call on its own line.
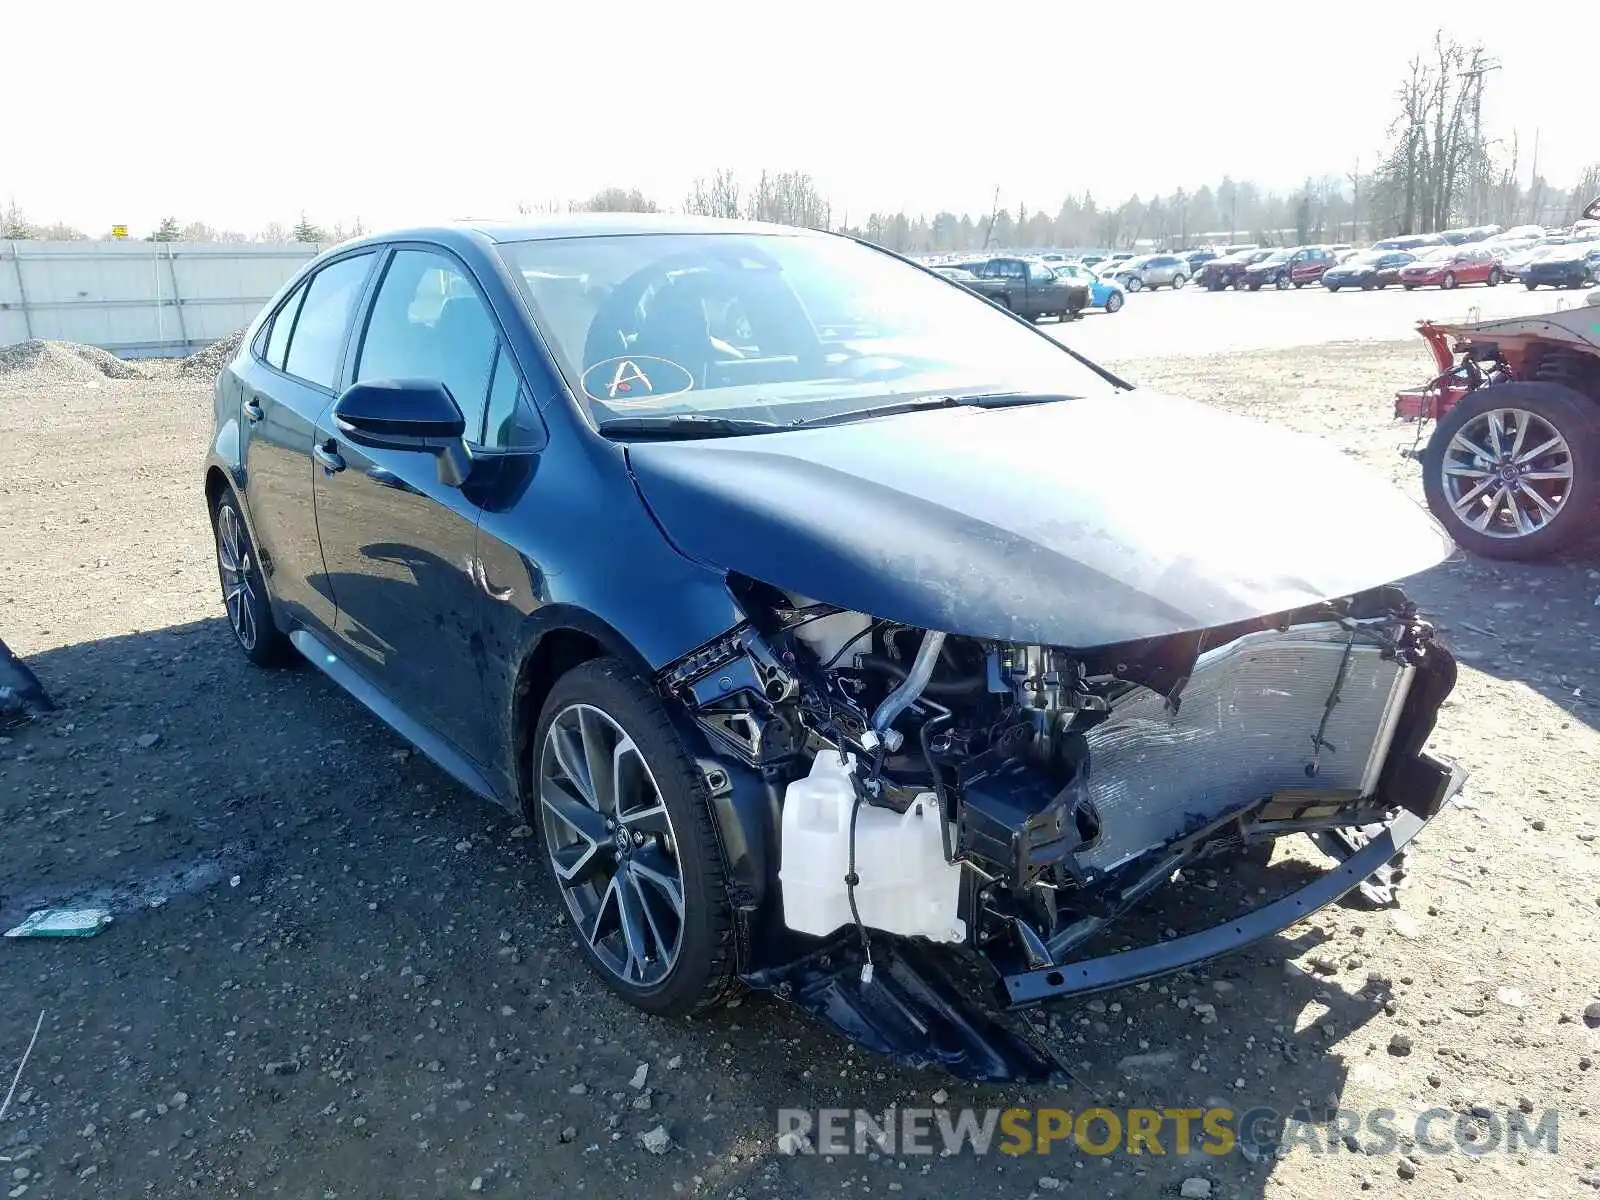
point(1533, 181)
point(1480, 68)
point(1355, 201)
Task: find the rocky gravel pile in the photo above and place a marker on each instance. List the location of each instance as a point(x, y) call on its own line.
point(64, 362)
point(204, 364)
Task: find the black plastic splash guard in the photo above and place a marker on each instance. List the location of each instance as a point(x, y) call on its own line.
point(911, 1010)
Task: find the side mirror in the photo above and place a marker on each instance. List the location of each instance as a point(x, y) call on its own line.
point(417, 415)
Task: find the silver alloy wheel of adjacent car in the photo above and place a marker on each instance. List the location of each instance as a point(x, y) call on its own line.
point(1134, 283)
point(237, 569)
point(611, 843)
point(1507, 473)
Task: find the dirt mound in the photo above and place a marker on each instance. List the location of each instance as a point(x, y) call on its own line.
point(204, 364)
point(64, 362)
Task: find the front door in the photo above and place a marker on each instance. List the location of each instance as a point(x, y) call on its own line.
point(398, 543)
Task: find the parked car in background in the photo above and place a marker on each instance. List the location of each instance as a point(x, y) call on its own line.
point(1448, 266)
point(1575, 265)
point(1462, 237)
point(1029, 289)
point(1092, 260)
point(1228, 270)
point(1198, 258)
point(1410, 241)
point(1294, 266)
point(1103, 292)
point(1368, 270)
point(1515, 263)
point(1518, 233)
point(1152, 271)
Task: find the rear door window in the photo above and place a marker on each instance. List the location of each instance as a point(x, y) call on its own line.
point(319, 330)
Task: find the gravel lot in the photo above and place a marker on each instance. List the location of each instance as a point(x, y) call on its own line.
point(333, 973)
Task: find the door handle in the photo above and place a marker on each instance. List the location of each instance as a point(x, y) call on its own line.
point(330, 458)
point(253, 411)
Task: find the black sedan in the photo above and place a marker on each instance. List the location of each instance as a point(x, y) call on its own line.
point(787, 590)
point(1367, 270)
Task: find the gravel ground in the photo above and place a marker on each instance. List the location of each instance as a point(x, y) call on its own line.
point(333, 973)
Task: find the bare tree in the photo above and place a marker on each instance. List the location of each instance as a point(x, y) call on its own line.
point(718, 197)
point(615, 199)
point(1436, 147)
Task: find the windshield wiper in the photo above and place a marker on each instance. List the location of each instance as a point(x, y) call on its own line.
point(993, 400)
point(674, 426)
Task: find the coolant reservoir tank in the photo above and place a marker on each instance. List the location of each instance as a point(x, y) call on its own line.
point(905, 887)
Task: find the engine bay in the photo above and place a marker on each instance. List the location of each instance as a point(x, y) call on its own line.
point(1015, 799)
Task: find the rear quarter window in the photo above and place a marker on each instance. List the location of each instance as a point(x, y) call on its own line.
point(282, 327)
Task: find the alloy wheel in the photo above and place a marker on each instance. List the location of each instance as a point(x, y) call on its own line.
point(237, 567)
point(1507, 473)
point(611, 843)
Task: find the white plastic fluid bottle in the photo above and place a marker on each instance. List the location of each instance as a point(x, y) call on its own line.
point(905, 885)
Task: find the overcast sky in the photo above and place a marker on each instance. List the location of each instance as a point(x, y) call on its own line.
point(239, 114)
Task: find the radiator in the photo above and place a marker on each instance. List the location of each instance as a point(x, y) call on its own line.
point(1246, 727)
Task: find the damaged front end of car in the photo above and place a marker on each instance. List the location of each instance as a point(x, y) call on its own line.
point(925, 832)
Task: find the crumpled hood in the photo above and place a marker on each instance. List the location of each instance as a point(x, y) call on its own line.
point(1076, 523)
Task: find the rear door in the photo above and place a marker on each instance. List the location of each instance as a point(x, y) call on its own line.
point(285, 389)
point(399, 544)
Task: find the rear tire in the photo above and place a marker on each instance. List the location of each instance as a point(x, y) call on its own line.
point(1178, 281)
point(244, 587)
point(1571, 415)
point(1494, 277)
point(607, 698)
point(1529, 284)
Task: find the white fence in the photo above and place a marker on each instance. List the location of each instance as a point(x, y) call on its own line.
point(138, 299)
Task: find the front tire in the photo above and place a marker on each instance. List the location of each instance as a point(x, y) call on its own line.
point(1494, 277)
point(1282, 282)
point(1134, 284)
point(1449, 281)
point(1114, 302)
point(1513, 470)
point(628, 834)
point(244, 588)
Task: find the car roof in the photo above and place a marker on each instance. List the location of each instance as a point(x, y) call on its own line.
point(574, 225)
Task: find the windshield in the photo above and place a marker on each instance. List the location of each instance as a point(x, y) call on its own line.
point(1278, 256)
point(770, 327)
point(1369, 258)
point(1438, 254)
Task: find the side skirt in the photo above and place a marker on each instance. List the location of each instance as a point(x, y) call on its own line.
point(449, 759)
